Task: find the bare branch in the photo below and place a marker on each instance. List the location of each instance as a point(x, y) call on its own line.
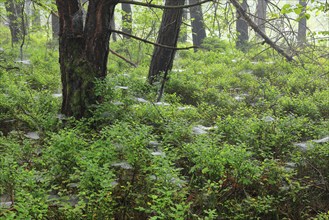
point(162, 6)
point(123, 58)
point(150, 42)
point(258, 31)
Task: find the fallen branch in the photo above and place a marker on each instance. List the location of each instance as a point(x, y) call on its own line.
point(254, 26)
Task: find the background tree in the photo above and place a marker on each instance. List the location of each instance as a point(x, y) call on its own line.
point(126, 19)
point(242, 29)
point(162, 59)
point(14, 14)
point(83, 52)
point(261, 14)
point(302, 26)
point(197, 22)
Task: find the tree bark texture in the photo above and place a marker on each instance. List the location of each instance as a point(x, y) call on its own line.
point(126, 19)
point(261, 14)
point(162, 59)
point(83, 51)
point(14, 14)
point(197, 22)
point(242, 28)
point(302, 26)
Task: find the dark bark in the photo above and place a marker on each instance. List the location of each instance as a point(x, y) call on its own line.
point(302, 26)
point(14, 14)
point(242, 29)
point(83, 52)
point(126, 19)
point(162, 59)
point(198, 28)
point(261, 14)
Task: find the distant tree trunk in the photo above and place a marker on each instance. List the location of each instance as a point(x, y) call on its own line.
point(261, 15)
point(126, 19)
point(162, 59)
point(198, 29)
point(36, 18)
point(55, 25)
point(302, 26)
point(242, 29)
point(83, 52)
point(183, 32)
point(14, 14)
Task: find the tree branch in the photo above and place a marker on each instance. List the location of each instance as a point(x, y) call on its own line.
point(162, 6)
point(155, 44)
point(123, 58)
point(254, 26)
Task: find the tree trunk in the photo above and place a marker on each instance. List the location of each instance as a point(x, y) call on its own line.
point(55, 25)
point(261, 15)
point(183, 32)
point(83, 52)
point(162, 59)
point(301, 36)
point(126, 19)
point(198, 29)
point(242, 29)
point(14, 13)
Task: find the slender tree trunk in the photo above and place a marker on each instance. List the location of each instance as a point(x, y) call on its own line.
point(183, 31)
point(261, 15)
point(198, 28)
point(242, 29)
point(302, 26)
point(162, 59)
point(14, 13)
point(126, 19)
point(83, 52)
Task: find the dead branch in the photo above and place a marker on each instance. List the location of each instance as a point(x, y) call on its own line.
point(254, 26)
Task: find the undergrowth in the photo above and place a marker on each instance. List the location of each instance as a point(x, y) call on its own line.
point(234, 138)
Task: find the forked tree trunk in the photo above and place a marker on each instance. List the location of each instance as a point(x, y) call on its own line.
point(197, 22)
point(162, 59)
point(242, 29)
point(83, 52)
point(302, 26)
point(126, 19)
point(14, 14)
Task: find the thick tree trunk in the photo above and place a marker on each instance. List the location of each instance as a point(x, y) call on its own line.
point(302, 26)
point(14, 14)
point(83, 52)
point(198, 29)
point(126, 19)
point(162, 59)
point(242, 29)
point(261, 15)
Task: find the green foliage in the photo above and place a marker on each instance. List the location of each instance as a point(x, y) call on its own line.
point(223, 143)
